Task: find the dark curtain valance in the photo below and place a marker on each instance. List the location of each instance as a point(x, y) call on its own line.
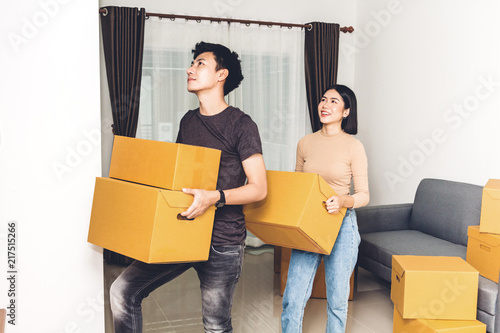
point(321, 62)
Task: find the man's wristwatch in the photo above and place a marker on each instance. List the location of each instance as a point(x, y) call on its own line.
point(222, 200)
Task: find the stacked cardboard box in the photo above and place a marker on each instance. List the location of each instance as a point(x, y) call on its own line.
point(435, 326)
point(164, 164)
point(434, 294)
point(483, 247)
point(483, 253)
point(136, 211)
point(490, 207)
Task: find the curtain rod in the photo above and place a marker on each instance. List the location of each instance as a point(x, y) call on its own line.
point(104, 11)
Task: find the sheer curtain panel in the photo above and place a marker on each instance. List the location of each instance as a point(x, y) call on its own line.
point(273, 91)
point(167, 56)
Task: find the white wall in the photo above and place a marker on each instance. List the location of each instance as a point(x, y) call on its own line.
point(50, 156)
point(337, 11)
point(427, 76)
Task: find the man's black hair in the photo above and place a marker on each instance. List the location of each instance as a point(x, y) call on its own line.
point(225, 59)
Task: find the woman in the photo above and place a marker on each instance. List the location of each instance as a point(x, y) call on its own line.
point(338, 157)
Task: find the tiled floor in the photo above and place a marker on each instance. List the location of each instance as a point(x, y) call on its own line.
point(176, 306)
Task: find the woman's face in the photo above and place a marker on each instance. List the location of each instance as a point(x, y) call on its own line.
point(331, 108)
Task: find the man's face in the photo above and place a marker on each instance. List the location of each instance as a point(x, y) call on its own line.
point(202, 75)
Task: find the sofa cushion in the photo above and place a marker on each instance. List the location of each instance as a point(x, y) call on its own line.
point(380, 246)
point(487, 319)
point(445, 209)
point(487, 295)
point(384, 217)
point(378, 269)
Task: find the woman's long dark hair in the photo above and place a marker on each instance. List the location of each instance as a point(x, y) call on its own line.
point(350, 123)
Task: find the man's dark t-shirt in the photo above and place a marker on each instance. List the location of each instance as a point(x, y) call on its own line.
point(235, 134)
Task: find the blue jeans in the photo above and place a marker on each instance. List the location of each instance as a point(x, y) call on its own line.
point(218, 277)
point(338, 269)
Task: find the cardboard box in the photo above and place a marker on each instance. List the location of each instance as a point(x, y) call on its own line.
point(401, 325)
point(490, 207)
point(166, 165)
point(142, 222)
point(293, 214)
point(425, 287)
point(483, 253)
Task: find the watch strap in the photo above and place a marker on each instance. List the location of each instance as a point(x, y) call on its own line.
point(222, 200)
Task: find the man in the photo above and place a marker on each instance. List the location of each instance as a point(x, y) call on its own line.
point(214, 72)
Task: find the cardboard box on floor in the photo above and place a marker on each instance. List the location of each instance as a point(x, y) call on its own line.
point(142, 222)
point(483, 253)
point(490, 207)
point(293, 214)
point(167, 165)
point(401, 325)
point(426, 287)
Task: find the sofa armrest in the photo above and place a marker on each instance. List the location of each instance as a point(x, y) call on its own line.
point(384, 218)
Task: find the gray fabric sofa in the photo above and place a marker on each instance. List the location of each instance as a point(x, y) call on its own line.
point(435, 224)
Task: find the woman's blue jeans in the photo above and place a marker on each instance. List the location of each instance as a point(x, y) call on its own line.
point(339, 266)
point(218, 277)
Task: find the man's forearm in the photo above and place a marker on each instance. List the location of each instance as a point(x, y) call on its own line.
point(245, 194)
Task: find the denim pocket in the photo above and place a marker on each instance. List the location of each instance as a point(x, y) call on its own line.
point(228, 258)
point(228, 250)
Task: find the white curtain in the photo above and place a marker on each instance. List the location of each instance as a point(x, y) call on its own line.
point(167, 56)
point(272, 92)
